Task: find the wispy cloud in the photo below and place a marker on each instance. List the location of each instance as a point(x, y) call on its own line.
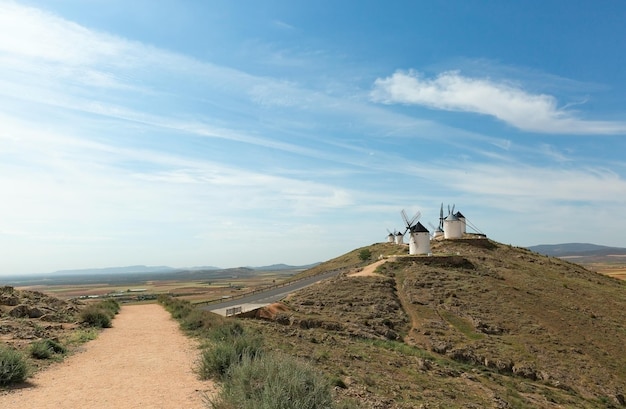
point(281, 24)
point(505, 101)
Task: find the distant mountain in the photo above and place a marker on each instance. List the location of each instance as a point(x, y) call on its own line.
point(280, 267)
point(141, 269)
point(576, 249)
point(118, 270)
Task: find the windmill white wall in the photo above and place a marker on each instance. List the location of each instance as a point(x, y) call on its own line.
point(390, 238)
point(460, 216)
point(419, 241)
point(438, 233)
point(399, 238)
point(452, 227)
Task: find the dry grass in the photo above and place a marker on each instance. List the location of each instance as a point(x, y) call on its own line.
point(479, 325)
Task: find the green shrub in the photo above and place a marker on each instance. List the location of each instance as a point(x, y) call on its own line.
point(46, 348)
point(178, 308)
point(365, 254)
point(13, 366)
point(273, 382)
point(217, 360)
point(96, 316)
point(110, 305)
point(201, 320)
point(227, 332)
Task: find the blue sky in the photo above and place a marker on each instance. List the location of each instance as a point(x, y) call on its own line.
point(233, 133)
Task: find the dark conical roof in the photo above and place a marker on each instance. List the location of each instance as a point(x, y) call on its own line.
point(419, 228)
point(459, 215)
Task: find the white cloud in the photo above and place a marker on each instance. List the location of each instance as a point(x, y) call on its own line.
point(452, 91)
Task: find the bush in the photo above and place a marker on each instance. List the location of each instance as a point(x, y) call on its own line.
point(13, 367)
point(46, 348)
point(96, 316)
point(227, 332)
point(200, 320)
point(273, 382)
point(178, 308)
point(217, 360)
point(365, 254)
point(110, 305)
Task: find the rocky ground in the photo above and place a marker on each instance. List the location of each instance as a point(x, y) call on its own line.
point(479, 325)
point(26, 316)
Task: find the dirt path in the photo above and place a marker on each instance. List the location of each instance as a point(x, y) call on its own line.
point(144, 361)
point(370, 269)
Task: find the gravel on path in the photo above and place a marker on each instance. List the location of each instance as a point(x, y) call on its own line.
point(143, 361)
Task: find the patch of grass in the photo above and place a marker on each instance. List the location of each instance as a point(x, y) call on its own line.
point(95, 316)
point(399, 347)
point(46, 349)
point(177, 307)
point(216, 361)
point(80, 336)
point(464, 326)
point(227, 332)
point(274, 381)
point(13, 367)
point(110, 305)
point(100, 314)
point(200, 320)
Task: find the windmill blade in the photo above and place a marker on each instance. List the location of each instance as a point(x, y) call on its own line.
point(453, 208)
point(432, 226)
point(405, 218)
point(441, 212)
point(448, 209)
point(415, 218)
point(388, 231)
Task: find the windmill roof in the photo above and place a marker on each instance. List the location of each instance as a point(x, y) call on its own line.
point(459, 214)
point(399, 234)
point(451, 218)
point(419, 228)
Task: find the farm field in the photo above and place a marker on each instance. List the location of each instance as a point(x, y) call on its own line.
point(611, 265)
point(612, 270)
point(192, 290)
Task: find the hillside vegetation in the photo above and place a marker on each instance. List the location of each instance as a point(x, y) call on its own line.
point(478, 325)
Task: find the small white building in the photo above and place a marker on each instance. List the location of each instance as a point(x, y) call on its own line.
point(391, 238)
point(452, 227)
point(419, 239)
point(399, 238)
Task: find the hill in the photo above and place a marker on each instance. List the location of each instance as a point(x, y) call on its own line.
point(577, 249)
point(478, 325)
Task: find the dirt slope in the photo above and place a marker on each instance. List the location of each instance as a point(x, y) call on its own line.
point(478, 325)
point(144, 361)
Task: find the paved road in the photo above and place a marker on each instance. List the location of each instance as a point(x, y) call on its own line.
point(270, 296)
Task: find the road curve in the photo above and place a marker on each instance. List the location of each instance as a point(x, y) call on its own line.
point(272, 295)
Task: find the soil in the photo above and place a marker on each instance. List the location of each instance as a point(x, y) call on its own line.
point(369, 270)
point(143, 361)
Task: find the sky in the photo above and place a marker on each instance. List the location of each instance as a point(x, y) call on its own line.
point(247, 133)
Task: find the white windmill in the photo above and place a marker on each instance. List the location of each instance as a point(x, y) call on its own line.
point(399, 239)
point(452, 226)
point(460, 216)
point(438, 231)
point(391, 237)
point(419, 236)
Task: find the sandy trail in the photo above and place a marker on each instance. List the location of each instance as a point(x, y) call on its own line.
point(143, 361)
point(370, 269)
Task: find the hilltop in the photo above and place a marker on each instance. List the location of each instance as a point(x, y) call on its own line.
point(478, 325)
